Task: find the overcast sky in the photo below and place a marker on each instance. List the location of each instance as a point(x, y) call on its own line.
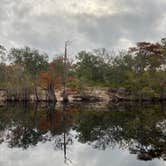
point(112, 24)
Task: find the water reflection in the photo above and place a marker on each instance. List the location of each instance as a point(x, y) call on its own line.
point(139, 129)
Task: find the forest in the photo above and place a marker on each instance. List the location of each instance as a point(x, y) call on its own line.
point(141, 70)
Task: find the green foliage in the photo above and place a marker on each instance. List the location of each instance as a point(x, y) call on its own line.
point(91, 69)
point(30, 59)
point(141, 69)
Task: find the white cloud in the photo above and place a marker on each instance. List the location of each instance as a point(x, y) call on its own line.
point(51, 7)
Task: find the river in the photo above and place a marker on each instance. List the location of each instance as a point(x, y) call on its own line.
point(83, 134)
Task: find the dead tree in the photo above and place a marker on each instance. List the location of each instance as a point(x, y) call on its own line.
point(65, 95)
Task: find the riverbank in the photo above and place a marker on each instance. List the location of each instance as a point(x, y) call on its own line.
point(90, 94)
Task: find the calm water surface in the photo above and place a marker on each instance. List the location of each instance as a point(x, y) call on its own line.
point(83, 135)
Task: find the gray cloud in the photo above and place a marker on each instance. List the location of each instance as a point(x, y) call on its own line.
point(47, 24)
point(135, 24)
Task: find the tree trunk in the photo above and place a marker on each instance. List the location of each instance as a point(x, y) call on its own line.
point(51, 93)
point(37, 98)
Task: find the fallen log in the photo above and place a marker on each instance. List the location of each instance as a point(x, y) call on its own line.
point(86, 98)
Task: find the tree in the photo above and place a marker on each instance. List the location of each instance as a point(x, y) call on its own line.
point(121, 65)
point(91, 68)
point(148, 56)
point(148, 74)
point(31, 61)
point(49, 84)
point(3, 54)
point(3, 57)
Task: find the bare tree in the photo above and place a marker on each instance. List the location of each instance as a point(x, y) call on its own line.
point(65, 95)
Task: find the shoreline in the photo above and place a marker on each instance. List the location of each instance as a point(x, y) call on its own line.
point(90, 95)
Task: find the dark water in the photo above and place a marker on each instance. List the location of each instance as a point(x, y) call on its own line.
point(83, 135)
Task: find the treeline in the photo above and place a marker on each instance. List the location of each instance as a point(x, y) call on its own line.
point(140, 69)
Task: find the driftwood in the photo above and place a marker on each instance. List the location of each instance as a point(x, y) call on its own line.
point(86, 98)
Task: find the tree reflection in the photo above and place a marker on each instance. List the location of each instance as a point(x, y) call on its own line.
point(140, 128)
point(26, 126)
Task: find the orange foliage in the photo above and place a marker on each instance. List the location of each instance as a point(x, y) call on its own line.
point(46, 79)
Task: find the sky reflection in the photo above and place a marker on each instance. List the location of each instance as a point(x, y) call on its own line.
point(44, 154)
